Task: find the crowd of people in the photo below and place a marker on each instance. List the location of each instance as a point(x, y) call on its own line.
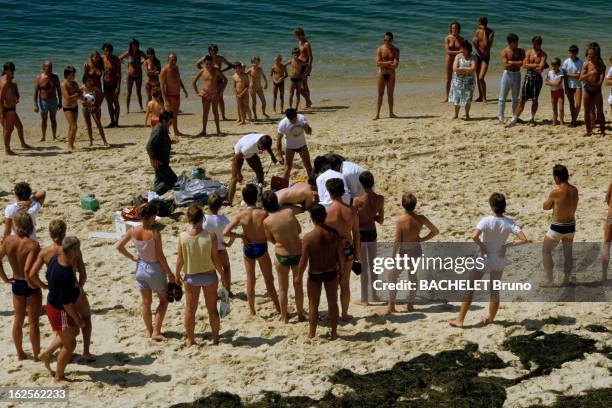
point(338, 194)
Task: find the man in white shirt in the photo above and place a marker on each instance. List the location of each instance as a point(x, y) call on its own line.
point(327, 174)
point(494, 230)
point(26, 202)
point(247, 149)
point(294, 128)
point(350, 171)
point(573, 87)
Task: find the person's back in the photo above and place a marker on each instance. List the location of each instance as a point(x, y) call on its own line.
point(324, 196)
point(285, 229)
point(495, 230)
point(409, 225)
point(196, 251)
point(216, 223)
point(323, 244)
point(565, 203)
point(17, 251)
point(369, 206)
point(251, 220)
point(341, 218)
point(299, 193)
point(144, 241)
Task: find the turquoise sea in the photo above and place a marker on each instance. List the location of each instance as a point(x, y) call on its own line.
point(344, 34)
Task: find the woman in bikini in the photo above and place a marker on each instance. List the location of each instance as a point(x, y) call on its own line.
point(70, 95)
point(135, 57)
point(91, 107)
point(593, 74)
point(452, 47)
point(278, 73)
point(94, 67)
point(152, 68)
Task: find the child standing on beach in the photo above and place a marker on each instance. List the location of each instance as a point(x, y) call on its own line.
point(609, 83)
point(216, 223)
point(297, 69)
point(554, 79)
point(278, 73)
point(155, 107)
point(241, 90)
point(255, 74)
point(92, 100)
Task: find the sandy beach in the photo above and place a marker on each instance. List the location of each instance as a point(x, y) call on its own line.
point(451, 166)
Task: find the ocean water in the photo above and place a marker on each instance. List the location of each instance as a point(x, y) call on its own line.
point(344, 34)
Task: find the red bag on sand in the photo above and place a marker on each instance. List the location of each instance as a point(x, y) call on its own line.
point(130, 213)
point(278, 183)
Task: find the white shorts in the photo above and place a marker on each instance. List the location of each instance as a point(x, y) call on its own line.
point(559, 231)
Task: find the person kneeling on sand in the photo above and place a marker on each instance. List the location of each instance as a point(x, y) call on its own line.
point(255, 245)
point(323, 253)
point(152, 270)
point(283, 230)
point(494, 230)
point(21, 251)
point(57, 232)
point(158, 149)
point(304, 194)
point(198, 254)
point(61, 306)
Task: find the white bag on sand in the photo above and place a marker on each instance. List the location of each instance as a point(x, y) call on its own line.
point(224, 302)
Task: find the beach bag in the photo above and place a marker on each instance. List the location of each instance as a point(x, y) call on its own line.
point(197, 191)
point(224, 302)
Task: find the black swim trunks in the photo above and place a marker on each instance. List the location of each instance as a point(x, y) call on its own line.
point(532, 85)
point(349, 251)
point(21, 288)
point(368, 235)
point(323, 277)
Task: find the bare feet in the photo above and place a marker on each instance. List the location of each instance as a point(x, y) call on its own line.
point(301, 318)
point(10, 153)
point(190, 342)
point(46, 359)
point(202, 133)
point(88, 358)
point(62, 381)
point(376, 117)
point(386, 311)
point(283, 319)
point(42, 139)
point(345, 317)
point(486, 320)
point(410, 307)
point(158, 337)
point(333, 335)
point(547, 284)
point(21, 356)
point(360, 303)
point(216, 339)
point(25, 146)
point(392, 115)
point(456, 323)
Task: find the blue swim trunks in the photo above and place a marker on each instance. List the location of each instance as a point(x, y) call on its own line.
point(255, 251)
point(47, 105)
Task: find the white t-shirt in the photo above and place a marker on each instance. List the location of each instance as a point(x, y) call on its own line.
point(293, 132)
point(495, 231)
point(13, 209)
point(324, 197)
point(351, 173)
point(573, 67)
point(216, 224)
point(553, 77)
point(247, 145)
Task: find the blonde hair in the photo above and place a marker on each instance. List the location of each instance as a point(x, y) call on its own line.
point(23, 225)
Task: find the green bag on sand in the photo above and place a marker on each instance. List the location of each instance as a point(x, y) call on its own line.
point(224, 302)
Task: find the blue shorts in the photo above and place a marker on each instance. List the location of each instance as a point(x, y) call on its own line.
point(202, 279)
point(255, 251)
point(49, 105)
point(150, 275)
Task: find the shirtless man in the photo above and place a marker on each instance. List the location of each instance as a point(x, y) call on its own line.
point(219, 60)
point(344, 219)
point(483, 41)
point(112, 83)
point(304, 194)
point(563, 200)
point(247, 149)
point(323, 252)
point(408, 242)
point(21, 251)
point(512, 58)
point(605, 253)
point(57, 232)
point(535, 63)
point(209, 93)
point(9, 98)
point(171, 85)
point(283, 230)
point(307, 58)
point(387, 61)
point(47, 98)
point(255, 245)
point(371, 208)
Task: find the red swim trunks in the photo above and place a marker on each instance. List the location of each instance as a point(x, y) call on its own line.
point(58, 318)
point(154, 121)
point(556, 93)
